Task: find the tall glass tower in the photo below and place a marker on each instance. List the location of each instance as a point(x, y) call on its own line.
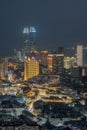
point(29, 40)
point(32, 38)
point(26, 39)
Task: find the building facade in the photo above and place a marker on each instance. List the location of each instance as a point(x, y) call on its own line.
point(3, 67)
point(43, 57)
point(79, 55)
point(69, 62)
point(26, 39)
point(56, 63)
point(31, 68)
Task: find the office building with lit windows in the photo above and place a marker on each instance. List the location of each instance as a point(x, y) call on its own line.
point(26, 39)
point(79, 55)
point(31, 68)
point(69, 62)
point(56, 63)
point(51, 59)
point(43, 57)
point(3, 67)
point(2, 75)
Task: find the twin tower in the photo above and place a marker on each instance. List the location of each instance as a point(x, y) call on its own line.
point(29, 38)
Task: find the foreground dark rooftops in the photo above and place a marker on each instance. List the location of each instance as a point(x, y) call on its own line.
point(17, 123)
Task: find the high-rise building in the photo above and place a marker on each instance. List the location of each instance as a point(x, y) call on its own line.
point(32, 38)
point(31, 68)
point(3, 67)
point(56, 63)
point(43, 57)
point(2, 75)
point(59, 63)
point(79, 55)
point(19, 56)
point(69, 62)
point(51, 59)
point(26, 39)
point(29, 39)
point(15, 53)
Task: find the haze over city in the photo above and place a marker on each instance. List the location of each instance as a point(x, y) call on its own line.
point(58, 22)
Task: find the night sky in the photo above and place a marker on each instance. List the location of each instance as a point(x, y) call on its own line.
point(58, 23)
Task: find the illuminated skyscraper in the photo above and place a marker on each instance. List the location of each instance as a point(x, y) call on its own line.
point(32, 38)
point(79, 55)
point(43, 57)
point(56, 63)
point(3, 67)
point(2, 75)
point(31, 68)
point(29, 39)
point(26, 39)
point(51, 59)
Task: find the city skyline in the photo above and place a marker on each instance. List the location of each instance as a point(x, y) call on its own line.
point(58, 23)
point(43, 64)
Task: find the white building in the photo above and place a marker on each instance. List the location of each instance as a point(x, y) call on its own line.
point(79, 55)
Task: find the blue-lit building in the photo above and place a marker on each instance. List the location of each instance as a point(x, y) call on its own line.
point(29, 39)
point(32, 38)
point(26, 39)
